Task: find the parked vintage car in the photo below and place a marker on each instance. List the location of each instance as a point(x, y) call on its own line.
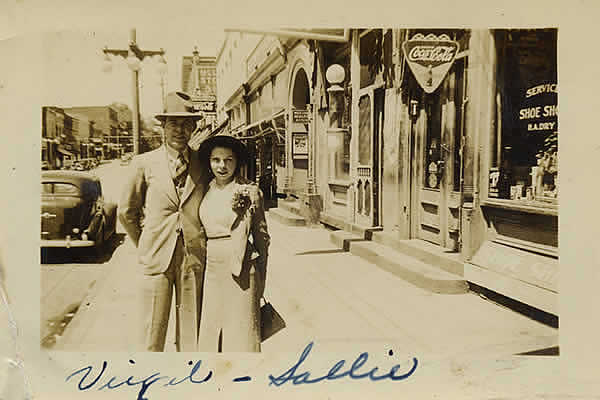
point(73, 212)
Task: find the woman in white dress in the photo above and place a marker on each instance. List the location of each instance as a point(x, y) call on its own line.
point(233, 216)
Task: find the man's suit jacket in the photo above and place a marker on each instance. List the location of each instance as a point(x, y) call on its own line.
point(153, 214)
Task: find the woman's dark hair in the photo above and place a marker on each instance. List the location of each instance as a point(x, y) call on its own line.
point(229, 142)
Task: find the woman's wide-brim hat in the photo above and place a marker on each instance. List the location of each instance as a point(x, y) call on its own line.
point(179, 104)
point(228, 141)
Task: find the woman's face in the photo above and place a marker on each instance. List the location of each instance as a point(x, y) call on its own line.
point(222, 163)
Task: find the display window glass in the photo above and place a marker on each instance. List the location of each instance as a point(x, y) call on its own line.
point(338, 141)
point(339, 155)
point(370, 55)
point(524, 147)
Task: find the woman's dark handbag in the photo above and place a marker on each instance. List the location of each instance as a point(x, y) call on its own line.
point(270, 320)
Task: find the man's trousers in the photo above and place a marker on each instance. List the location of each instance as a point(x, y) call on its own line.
point(157, 294)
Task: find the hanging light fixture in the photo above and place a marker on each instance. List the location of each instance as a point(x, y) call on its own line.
point(106, 63)
point(133, 62)
point(335, 76)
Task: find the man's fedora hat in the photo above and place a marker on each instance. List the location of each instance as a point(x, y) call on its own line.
point(179, 104)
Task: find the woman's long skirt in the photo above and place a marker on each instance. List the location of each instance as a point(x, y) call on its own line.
point(230, 317)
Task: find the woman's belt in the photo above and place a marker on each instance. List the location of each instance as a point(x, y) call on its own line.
point(218, 237)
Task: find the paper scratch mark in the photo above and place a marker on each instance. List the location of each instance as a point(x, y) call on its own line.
point(13, 382)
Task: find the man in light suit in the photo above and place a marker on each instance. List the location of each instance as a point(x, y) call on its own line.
point(159, 210)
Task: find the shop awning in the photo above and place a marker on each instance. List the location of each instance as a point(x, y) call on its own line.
point(326, 35)
point(199, 137)
point(65, 152)
point(263, 127)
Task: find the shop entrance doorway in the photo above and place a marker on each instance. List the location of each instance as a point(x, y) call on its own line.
point(299, 126)
point(368, 174)
point(436, 131)
point(267, 180)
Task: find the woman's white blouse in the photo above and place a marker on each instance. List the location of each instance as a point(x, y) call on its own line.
point(216, 211)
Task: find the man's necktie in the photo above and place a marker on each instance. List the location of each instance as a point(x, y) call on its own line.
point(180, 173)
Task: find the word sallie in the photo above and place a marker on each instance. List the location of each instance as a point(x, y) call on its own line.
point(339, 370)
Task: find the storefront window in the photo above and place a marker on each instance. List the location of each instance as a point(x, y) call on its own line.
point(460, 66)
point(339, 153)
point(370, 57)
point(364, 130)
point(524, 154)
point(433, 153)
point(338, 140)
point(280, 155)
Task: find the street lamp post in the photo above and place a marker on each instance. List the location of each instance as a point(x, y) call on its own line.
point(134, 56)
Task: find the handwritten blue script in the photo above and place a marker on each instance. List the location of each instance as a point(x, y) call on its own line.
point(86, 383)
point(297, 378)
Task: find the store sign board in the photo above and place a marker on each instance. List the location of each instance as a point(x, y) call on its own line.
point(299, 145)
point(301, 116)
point(539, 109)
point(209, 106)
point(430, 58)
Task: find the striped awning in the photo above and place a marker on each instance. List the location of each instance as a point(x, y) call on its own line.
point(263, 127)
point(64, 151)
point(204, 134)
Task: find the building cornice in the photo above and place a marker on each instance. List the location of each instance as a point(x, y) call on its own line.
point(222, 48)
point(274, 64)
point(238, 94)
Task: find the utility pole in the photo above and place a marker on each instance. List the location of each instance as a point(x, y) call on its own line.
point(134, 56)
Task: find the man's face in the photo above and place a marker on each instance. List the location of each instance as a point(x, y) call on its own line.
point(178, 131)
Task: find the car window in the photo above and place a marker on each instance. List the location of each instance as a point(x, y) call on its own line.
point(90, 189)
point(59, 188)
point(65, 188)
point(47, 188)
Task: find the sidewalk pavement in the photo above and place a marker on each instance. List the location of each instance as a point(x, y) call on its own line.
point(328, 296)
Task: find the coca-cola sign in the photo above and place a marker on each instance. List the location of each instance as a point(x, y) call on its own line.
point(430, 58)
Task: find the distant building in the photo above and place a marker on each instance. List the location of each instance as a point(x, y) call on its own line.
point(83, 131)
point(199, 79)
point(125, 128)
point(59, 140)
point(105, 121)
point(204, 82)
point(105, 117)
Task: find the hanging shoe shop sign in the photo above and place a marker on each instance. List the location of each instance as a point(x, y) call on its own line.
point(430, 58)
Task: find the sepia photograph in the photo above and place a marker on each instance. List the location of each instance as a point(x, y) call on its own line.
point(425, 172)
point(292, 210)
